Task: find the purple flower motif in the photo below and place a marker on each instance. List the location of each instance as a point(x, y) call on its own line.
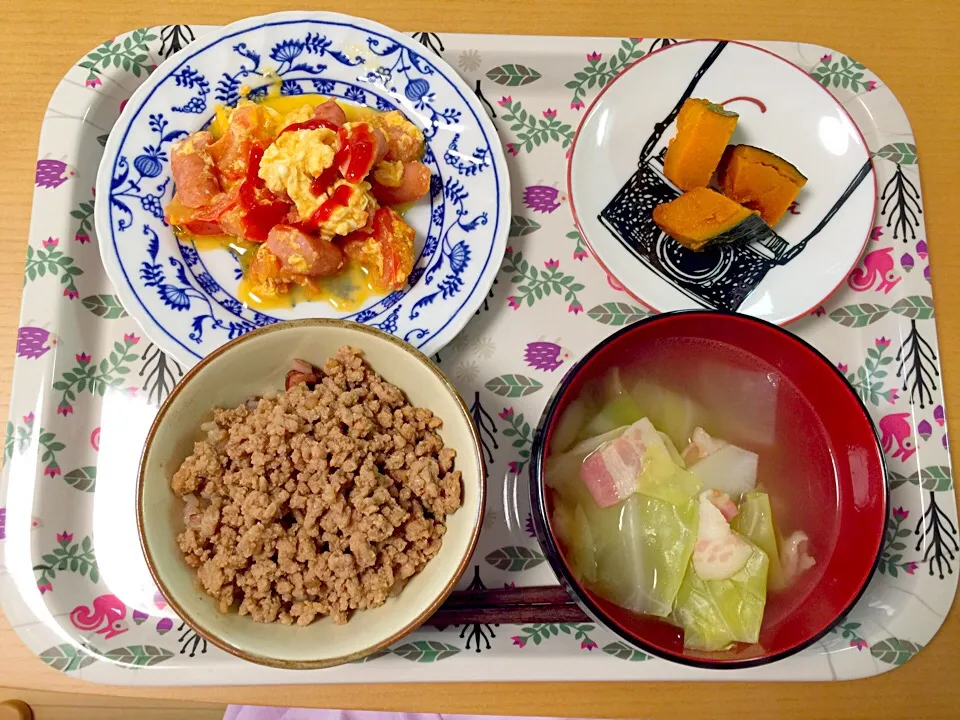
point(587, 645)
point(891, 395)
point(924, 429)
point(506, 413)
point(139, 617)
point(51, 242)
point(93, 81)
point(549, 113)
point(528, 526)
point(70, 294)
point(926, 273)
point(594, 57)
point(922, 249)
point(504, 101)
point(64, 538)
point(938, 415)
point(859, 643)
point(906, 262)
point(580, 255)
point(28, 418)
point(575, 307)
point(827, 59)
point(551, 264)
point(900, 513)
point(159, 600)
point(876, 233)
point(164, 626)
point(518, 641)
point(911, 568)
point(842, 368)
point(513, 303)
point(83, 358)
point(576, 105)
point(882, 343)
point(3, 523)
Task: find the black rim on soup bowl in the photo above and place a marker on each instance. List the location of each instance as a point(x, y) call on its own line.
point(554, 555)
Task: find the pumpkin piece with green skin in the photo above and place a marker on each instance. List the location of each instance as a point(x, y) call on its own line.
point(703, 131)
point(703, 217)
point(759, 180)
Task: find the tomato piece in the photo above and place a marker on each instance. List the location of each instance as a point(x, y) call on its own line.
point(387, 254)
point(311, 124)
point(361, 147)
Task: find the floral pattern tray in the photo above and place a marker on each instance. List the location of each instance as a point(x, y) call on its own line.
point(87, 384)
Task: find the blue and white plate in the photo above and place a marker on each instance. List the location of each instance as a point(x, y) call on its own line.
point(186, 300)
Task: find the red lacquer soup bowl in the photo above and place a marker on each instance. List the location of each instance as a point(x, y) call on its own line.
point(762, 388)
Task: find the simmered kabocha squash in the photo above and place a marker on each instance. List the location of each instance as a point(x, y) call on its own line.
point(703, 131)
point(703, 217)
point(759, 180)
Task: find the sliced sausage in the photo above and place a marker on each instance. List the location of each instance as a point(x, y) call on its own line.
point(194, 172)
point(331, 112)
point(302, 254)
point(414, 184)
point(404, 139)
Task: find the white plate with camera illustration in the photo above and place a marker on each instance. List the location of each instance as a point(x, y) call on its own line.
point(615, 179)
point(190, 302)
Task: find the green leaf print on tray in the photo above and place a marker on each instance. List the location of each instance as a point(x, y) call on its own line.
point(580, 251)
point(532, 131)
point(520, 226)
point(935, 478)
point(598, 72)
point(900, 152)
point(50, 259)
point(845, 73)
point(83, 479)
point(533, 284)
point(513, 386)
point(83, 213)
point(541, 632)
point(107, 307)
point(623, 651)
point(514, 558)
point(67, 658)
point(131, 54)
point(869, 378)
point(513, 75)
point(67, 557)
point(915, 307)
point(891, 558)
point(87, 376)
point(617, 313)
point(138, 656)
point(895, 651)
point(19, 437)
point(850, 631)
point(522, 436)
point(425, 651)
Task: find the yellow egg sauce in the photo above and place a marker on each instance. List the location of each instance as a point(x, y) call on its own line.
point(346, 291)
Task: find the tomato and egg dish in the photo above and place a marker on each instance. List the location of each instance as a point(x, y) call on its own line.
point(306, 192)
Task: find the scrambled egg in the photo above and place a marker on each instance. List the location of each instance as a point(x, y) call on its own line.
point(291, 163)
point(388, 173)
point(344, 219)
point(405, 138)
point(301, 114)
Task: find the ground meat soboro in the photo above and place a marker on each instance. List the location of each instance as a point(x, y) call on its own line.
point(319, 501)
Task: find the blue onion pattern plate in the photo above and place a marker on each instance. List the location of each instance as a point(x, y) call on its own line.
point(186, 300)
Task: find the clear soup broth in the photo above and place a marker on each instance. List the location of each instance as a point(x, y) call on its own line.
point(680, 384)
